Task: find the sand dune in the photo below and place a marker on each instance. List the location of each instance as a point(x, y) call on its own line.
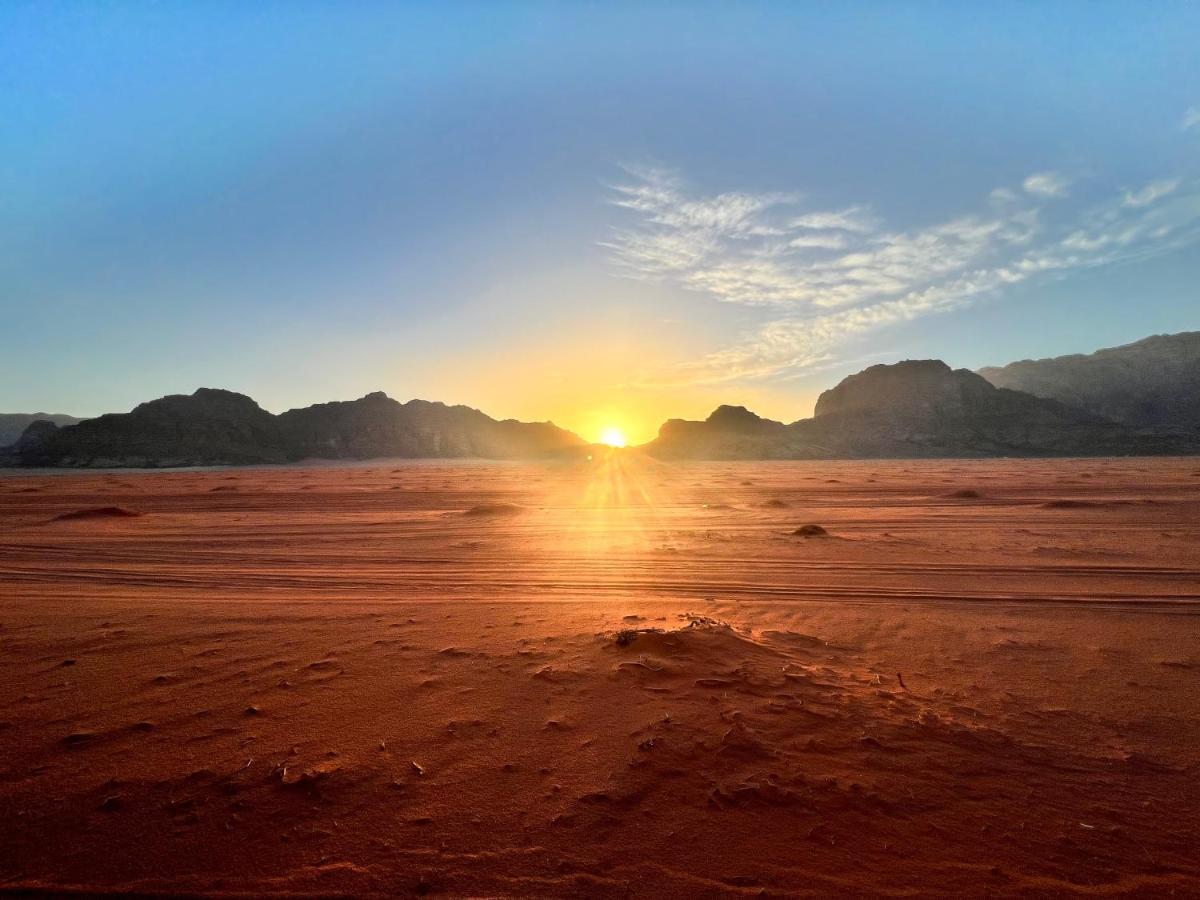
point(341, 680)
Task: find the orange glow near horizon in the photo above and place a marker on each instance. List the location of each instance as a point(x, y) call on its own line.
point(586, 386)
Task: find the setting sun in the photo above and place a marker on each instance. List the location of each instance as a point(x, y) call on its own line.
point(614, 437)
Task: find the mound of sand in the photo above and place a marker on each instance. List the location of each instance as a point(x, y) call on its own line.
point(1069, 504)
point(810, 531)
point(98, 512)
point(964, 494)
point(493, 509)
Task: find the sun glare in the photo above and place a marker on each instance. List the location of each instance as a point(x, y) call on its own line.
point(614, 437)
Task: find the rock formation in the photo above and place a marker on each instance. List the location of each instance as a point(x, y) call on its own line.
point(1140, 399)
point(209, 427)
point(13, 425)
point(916, 408)
point(1152, 382)
point(217, 427)
point(376, 425)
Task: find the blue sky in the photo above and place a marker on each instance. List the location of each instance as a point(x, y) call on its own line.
point(599, 214)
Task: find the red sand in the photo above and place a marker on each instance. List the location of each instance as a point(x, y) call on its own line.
point(472, 679)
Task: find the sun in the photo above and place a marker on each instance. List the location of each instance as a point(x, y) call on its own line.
point(614, 437)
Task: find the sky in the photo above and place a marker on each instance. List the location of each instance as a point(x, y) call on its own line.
point(604, 215)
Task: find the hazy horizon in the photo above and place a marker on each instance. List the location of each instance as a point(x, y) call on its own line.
point(605, 434)
point(602, 217)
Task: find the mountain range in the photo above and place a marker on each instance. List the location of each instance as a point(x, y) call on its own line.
point(917, 408)
point(1154, 381)
point(1139, 399)
point(218, 427)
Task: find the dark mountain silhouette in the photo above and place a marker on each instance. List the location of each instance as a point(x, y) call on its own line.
point(1140, 399)
point(217, 427)
point(731, 432)
point(209, 427)
point(12, 425)
point(1154, 381)
point(377, 425)
point(917, 408)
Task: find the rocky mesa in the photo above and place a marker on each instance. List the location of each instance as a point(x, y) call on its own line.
point(917, 408)
point(219, 427)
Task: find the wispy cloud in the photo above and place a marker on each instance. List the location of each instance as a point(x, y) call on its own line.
point(1155, 190)
point(1046, 184)
point(1191, 118)
point(822, 277)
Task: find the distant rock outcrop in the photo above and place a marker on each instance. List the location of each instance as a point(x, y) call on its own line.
point(217, 427)
point(916, 408)
point(13, 425)
point(376, 425)
point(913, 389)
point(33, 440)
point(209, 427)
point(1152, 382)
point(925, 408)
point(731, 432)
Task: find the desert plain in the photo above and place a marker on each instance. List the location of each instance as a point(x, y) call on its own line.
point(610, 677)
